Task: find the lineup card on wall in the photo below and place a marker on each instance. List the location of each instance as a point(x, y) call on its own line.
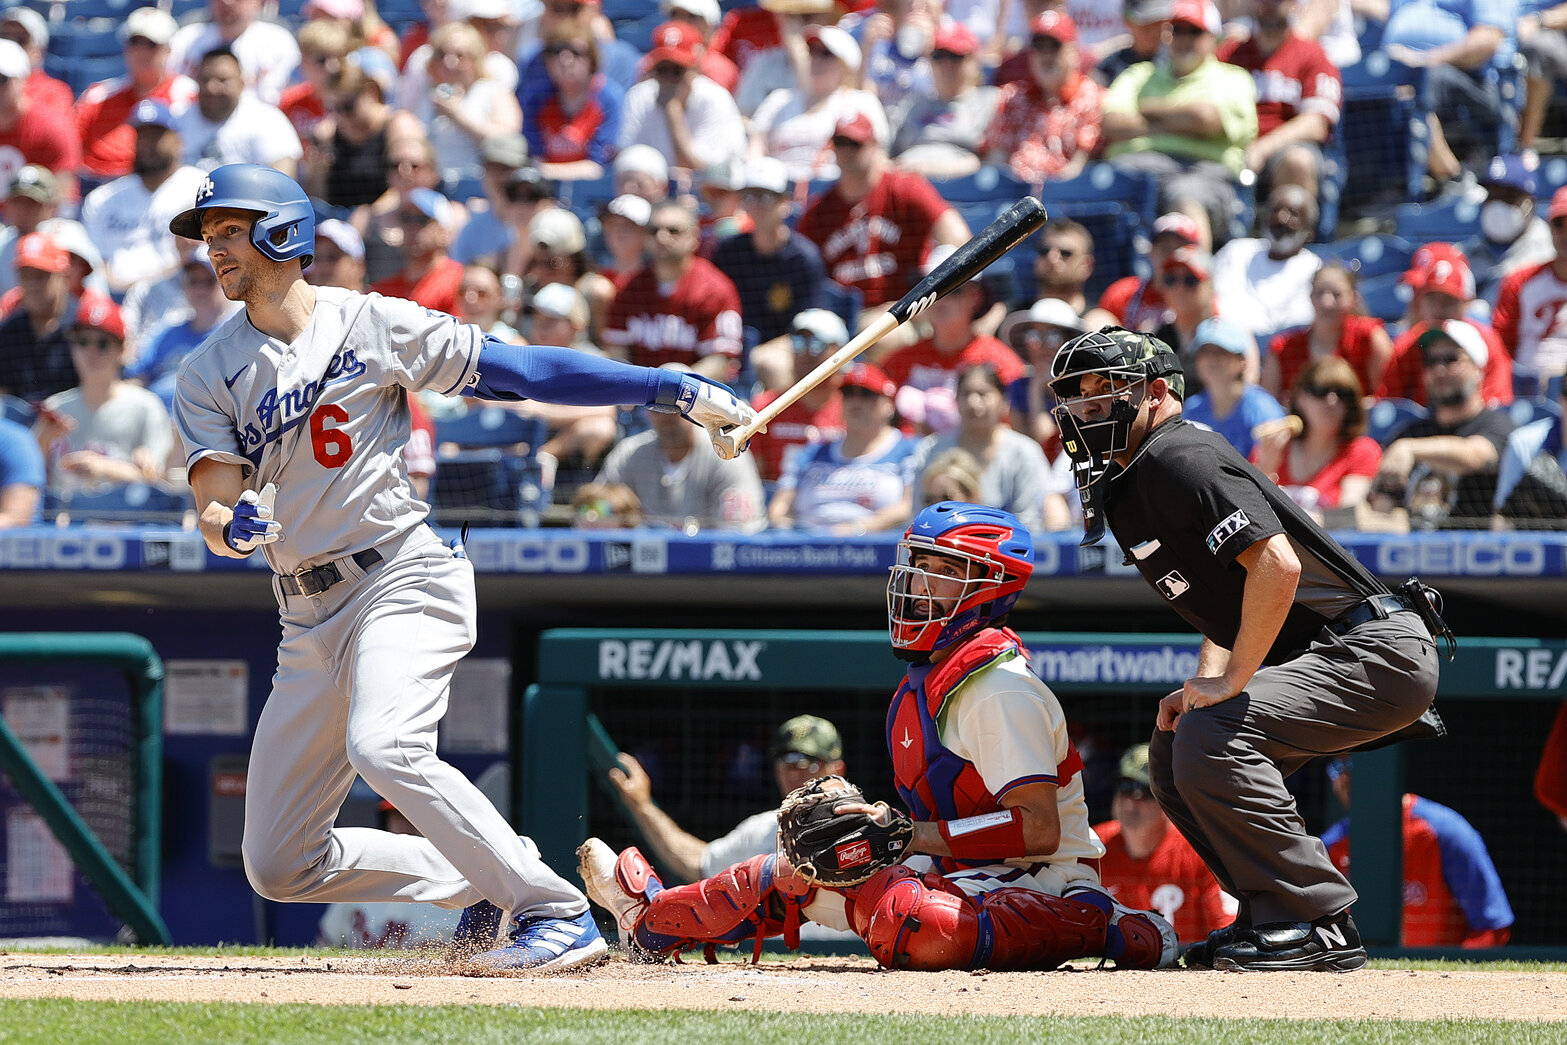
point(206, 697)
point(40, 717)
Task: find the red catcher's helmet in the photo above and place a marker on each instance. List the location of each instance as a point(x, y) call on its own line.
point(999, 553)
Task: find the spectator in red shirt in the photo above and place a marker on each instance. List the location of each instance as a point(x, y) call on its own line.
point(1148, 865)
point(876, 224)
point(955, 344)
point(678, 308)
point(1550, 778)
point(428, 276)
point(572, 127)
point(103, 114)
point(1137, 303)
point(30, 132)
point(1531, 311)
point(27, 28)
point(1319, 453)
point(1337, 328)
point(1443, 288)
point(1046, 126)
point(815, 334)
point(1299, 95)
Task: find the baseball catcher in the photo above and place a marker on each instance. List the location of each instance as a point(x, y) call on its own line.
point(993, 865)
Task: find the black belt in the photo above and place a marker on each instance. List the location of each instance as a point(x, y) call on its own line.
point(1376, 607)
point(318, 580)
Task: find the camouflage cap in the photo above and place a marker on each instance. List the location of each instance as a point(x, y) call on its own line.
point(810, 736)
point(1114, 349)
point(1134, 765)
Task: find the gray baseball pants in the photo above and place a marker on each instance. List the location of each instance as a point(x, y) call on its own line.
point(1219, 775)
point(361, 686)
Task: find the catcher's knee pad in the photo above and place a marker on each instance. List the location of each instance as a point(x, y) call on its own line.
point(742, 902)
point(916, 921)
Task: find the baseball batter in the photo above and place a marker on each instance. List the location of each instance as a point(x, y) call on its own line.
point(1005, 877)
point(294, 415)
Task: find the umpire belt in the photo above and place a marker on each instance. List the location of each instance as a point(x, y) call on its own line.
point(1376, 607)
point(318, 580)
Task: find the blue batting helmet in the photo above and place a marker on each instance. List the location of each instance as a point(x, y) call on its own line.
point(998, 556)
point(285, 227)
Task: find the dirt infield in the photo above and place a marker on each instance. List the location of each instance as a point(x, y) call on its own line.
point(806, 985)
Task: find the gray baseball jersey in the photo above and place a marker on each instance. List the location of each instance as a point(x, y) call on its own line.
point(325, 418)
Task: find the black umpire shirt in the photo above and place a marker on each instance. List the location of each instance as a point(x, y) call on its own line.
point(1189, 503)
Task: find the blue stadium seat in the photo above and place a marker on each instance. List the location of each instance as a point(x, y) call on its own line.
point(1388, 416)
point(1385, 296)
point(92, 37)
point(1523, 411)
point(490, 426)
point(586, 193)
point(81, 73)
point(1449, 219)
point(131, 503)
point(77, 10)
point(1369, 256)
point(984, 185)
point(979, 213)
point(1551, 175)
point(1384, 130)
point(1101, 184)
point(628, 10)
point(487, 488)
point(844, 301)
point(400, 14)
point(638, 32)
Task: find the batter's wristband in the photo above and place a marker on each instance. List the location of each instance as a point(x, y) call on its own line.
point(228, 540)
point(991, 836)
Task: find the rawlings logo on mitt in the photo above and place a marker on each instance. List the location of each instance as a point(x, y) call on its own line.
point(838, 849)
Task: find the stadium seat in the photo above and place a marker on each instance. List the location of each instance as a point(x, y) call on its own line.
point(1525, 410)
point(131, 503)
point(1552, 175)
point(1385, 296)
point(984, 185)
point(1368, 256)
point(638, 32)
point(586, 194)
point(628, 10)
point(1450, 219)
point(1102, 184)
point(491, 426)
point(493, 478)
point(400, 14)
point(1388, 416)
point(1384, 129)
point(841, 300)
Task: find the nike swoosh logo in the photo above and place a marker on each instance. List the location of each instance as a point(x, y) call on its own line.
point(228, 382)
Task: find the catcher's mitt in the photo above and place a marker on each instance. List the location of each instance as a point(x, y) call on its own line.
point(837, 849)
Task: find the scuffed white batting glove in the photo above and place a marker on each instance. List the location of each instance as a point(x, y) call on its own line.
point(714, 407)
point(253, 525)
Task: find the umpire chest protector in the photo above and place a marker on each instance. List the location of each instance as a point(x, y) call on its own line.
point(1188, 504)
point(934, 782)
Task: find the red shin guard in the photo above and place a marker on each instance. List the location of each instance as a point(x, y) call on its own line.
point(745, 901)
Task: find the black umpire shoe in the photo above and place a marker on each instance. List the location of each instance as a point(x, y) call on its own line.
point(1330, 944)
point(1200, 955)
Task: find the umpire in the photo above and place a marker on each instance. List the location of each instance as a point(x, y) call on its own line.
point(1304, 652)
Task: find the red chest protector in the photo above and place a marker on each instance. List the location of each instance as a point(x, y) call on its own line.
point(934, 782)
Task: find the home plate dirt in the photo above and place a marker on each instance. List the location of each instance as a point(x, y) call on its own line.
point(836, 984)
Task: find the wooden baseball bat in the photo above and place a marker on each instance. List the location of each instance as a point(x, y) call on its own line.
point(1016, 224)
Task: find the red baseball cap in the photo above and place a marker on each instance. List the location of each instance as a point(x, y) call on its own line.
point(1558, 204)
point(869, 377)
point(1200, 13)
point(1055, 25)
point(678, 42)
point(855, 127)
point(956, 38)
point(1176, 224)
point(99, 313)
point(1193, 259)
point(1441, 267)
point(36, 250)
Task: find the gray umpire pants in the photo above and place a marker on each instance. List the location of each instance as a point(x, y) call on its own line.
point(1219, 775)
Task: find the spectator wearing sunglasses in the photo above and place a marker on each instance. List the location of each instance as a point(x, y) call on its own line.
point(805, 747)
point(688, 118)
point(1319, 453)
point(814, 335)
point(938, 133)
point(346, 164)
point(105, 431)
point(1064, 263)
point(1186, 284)
point(573, 127)
point(429, 276)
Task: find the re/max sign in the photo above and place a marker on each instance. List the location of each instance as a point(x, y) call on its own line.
point(679, 659)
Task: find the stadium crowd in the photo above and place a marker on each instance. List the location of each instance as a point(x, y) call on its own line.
point(737, 189)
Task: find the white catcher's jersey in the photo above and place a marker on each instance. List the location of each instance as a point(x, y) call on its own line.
point(326, 417)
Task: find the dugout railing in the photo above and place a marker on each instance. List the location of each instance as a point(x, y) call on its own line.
point(698, 708)
point(131, 893)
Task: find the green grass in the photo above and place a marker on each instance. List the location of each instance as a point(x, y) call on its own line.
point(168, 1023)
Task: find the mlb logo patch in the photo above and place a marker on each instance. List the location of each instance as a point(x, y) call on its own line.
point(1173, 584)
point(853, 854)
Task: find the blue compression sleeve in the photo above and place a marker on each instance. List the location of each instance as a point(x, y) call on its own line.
point(563, 375)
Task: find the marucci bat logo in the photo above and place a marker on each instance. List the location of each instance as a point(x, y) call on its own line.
point(922, 304)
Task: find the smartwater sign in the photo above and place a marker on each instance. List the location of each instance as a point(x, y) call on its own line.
point(1109, 664)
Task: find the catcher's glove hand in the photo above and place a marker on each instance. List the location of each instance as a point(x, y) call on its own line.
point(836, 849)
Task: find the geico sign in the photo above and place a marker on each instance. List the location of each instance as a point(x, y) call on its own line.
point(679, 659)
point(529, 555)
point(1483, 557)
point(19, 552)
point(1530, 668)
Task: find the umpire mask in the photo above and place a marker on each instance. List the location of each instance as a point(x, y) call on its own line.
point(1098, 380)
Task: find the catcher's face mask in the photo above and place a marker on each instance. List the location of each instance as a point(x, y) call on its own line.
point(959, 567)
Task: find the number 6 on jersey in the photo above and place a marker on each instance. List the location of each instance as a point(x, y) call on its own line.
point(332, 446)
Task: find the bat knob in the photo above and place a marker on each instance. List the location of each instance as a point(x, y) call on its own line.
point(728, 443)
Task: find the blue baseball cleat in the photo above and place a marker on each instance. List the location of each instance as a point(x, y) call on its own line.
point(549, 944)
point(480, 925)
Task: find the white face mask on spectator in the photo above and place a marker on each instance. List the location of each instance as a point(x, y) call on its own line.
point(912, 42)
point(1502, 222)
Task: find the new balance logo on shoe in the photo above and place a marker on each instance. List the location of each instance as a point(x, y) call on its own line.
point(1332, 936)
